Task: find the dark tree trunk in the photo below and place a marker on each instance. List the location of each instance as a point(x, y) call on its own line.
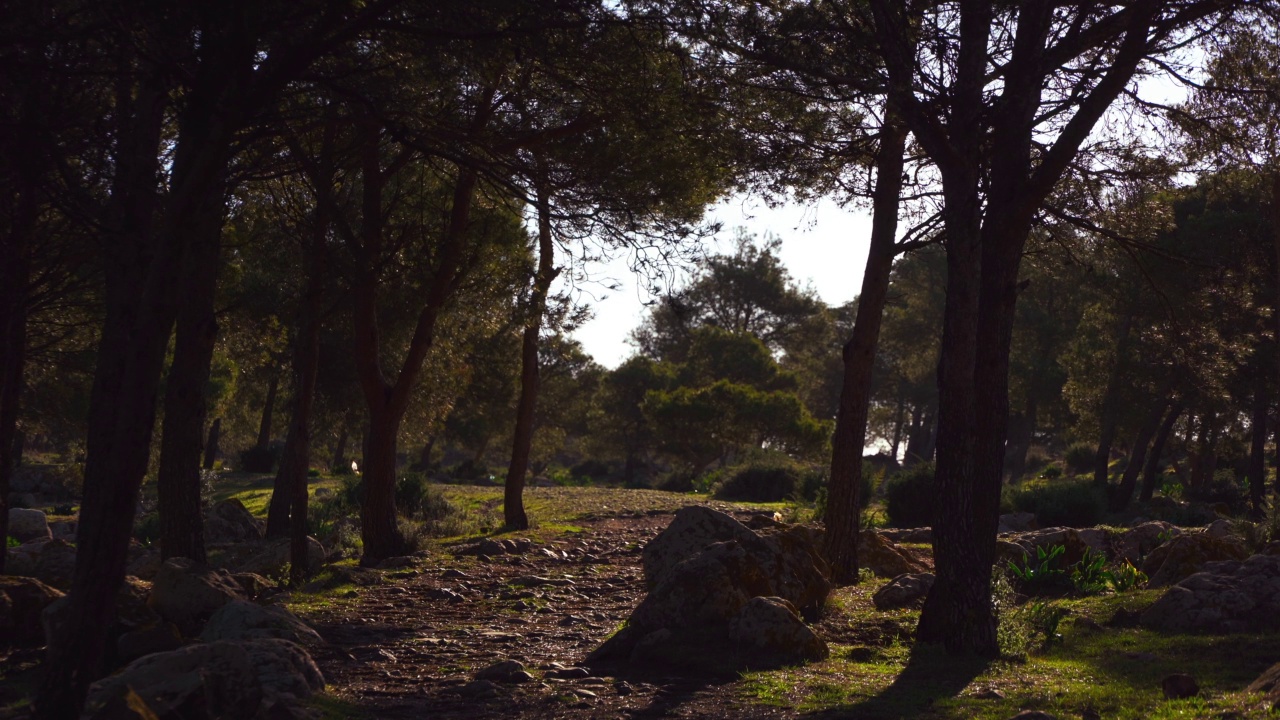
point(211, 447)
point(915, 436)
point(268, 410)
point(513, 492)
point(340, 449)
point(1204, 457)
point(380, 528)
point(178, 479)
point(1258, 449)
point(1020, 444)
point(1122, 494)
point(840, 542)
point(1108, 416)
point(899, 418)
point(1151, 468)
point(424, 455)
point(14, 282)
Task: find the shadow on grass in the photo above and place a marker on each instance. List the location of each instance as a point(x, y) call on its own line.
point(930, 675)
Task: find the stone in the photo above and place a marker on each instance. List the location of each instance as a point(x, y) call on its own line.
point(1070, 539)
point(56, 564)
point(1136, 543)
point(1226, 597)
point(774, 635)
point(240, 620)
point(63, 530)
point(161, 637)
point(1268, 683)
point(186, 593)
point(1186, 555)
point(918, 536)
point(505, 671)
point(221, 679)
point(253, 584)
point(886, 559)
point(903, 591)
point(27, 524)
point(22, 601)
point(230, 522)
point(1017, 522)
point(480, 689)
point(133, 609)
point(692, 529)
point(272, 559)
point(146, 564)
point(1221, 528)
point(1179, 686)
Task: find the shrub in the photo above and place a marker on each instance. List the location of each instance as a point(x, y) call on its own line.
point(259, 459)
point(313, 473)
point(1070, 503)
point(1079, 458)
point(468, 470)
point(1224, 489)
point(411, 491)
point(1051, 472)
point(909, 497)
point(146, 529)
point(766, 480)
point(1036, 459)
point(593, 469)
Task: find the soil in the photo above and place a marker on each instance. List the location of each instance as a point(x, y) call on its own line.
point(409, 648)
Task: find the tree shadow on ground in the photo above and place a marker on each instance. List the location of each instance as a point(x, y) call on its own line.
point(930, 675)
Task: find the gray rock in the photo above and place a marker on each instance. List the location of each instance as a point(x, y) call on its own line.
point(56, 564)
point(480, 689)
point(275, 555)
point(222, 679)
point(161, 637)
point(885, 558)
point(774, 635)
point(1137, 542)
point(1226, 597)
point(1017, 522)
point(27, 524)
point(1188, 554)
point(187, 593)
point(505, 671)
point(240, 620)
point(230, 521)
point(22, 601)
point(903, 591)
point(692, 529)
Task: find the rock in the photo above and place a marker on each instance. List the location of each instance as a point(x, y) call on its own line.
point(1221, 528)
point(56, 564)
point(146, 564)
point(505, 671)
point(216, 680)
point(1033, 715)
point(272, 559)
point(692, 529)
point(1008, 552)
point(240, 620)
point(775, 634)
point(27, 524)
point(22, 600)
point(63, 530)
point(493, 548)
point(1070, 539)
point(1179, 686)
point(230, 521)
point(1017, 522)
point(322, 493)
point(903, 591)
point(21, 560)
point(397, 561)
point(920, 535)
point(1099, 540)
point(1136, 543)
point(133, 609)
point(161, 637)
point(1186, 555)
point(1268, 683)
point(1226, 597)
point(253, 584)
point(480, 689)
point(886, 559)
point(186, 593)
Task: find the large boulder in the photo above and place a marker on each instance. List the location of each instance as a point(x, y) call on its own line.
point(1225, 597)
point(249, 679)
point(885, 558)
point(1268, 683)
point(273, 558)
point(697, 601)
point(229, 521)
point(1187, 554)
point(903, 591)
point(27, 524)
point(56, 564)
point(1017, 522)
point(1074, 544)
point(239, 620)
point(186, 593)
point(22, 600)
point(770, 633)
point(1136, 543)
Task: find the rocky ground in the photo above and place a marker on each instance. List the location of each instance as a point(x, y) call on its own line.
point(443, 638)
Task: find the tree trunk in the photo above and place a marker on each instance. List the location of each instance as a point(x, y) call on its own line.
point(178, 479)
point(1151, 469)
point(1258, 449)
point(268, 409)
point(513, 492)
point(1122, 494)
point(1020, 444)
point(424, 455)
point(840, 542)
point(380, 528)
point(211, 447)
point(1205, 460)
point(1108, 415)
point(915, 436)
point(14, 284)
point(340, 449)
point(899, 417)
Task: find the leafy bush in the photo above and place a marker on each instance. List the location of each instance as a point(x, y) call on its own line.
point(1046, 574)
point(1079, 458)
point(769, 479)
point(259, 459)
point(11, 542)
point(411, 491)
point(468, 470)
point(1224, 489)
point(1089, 576)
point(1123, 577)
point(313, 473)
point(146, 529)
point(1070, 503)
point(1036, 459)
point(593, 469)
point(1051, 472)
point(910, 497)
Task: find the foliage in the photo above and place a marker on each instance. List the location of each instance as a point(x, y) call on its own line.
point(146, 528)
point(1065, 503)
point(1224, 489)
point(1124, 577)
point(1089, 576)
point(11, 541)
point(771, 477)
point(259, 459)
point(1079, 458)
point(909, 497)
point(411, 493)
point(1051, 472)
point(1044, 574)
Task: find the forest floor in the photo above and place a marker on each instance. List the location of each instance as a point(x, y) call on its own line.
point(410, 645)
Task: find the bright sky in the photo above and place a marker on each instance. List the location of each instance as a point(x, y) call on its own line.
point(823, 245)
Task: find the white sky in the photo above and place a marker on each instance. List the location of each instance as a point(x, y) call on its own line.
point(823, 245)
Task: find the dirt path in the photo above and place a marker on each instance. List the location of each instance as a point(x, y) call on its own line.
point(411, 648)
